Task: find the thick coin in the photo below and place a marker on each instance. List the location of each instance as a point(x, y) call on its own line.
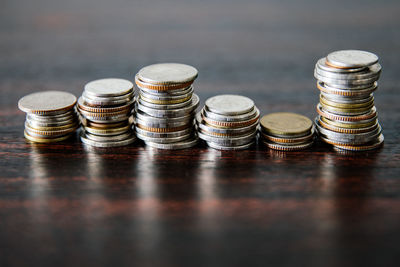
point(98, 109)
point(287, 147)
point(108, 138)
point(228, 141)
point(346, 92)
point(165, 134)
point(321, 64)
point(160, 87)
point(350, 124)
point(231, 124)
point(346, 130)
point(336, 117)
point(164, 106)
point(224, 131)
point(287, 140)
point(221, 147)
point(230, 118)
point(188, 143)
point(108, 131)
point(90, 142)
point(163, 140)
point(46, 140)
point(364, 147)
point(351, 59)
point(229, 104)
point(47, 102)
point(167, 73)
point(286, 124)
point(108, 87)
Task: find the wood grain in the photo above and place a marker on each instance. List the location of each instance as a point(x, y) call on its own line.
point(66, 205)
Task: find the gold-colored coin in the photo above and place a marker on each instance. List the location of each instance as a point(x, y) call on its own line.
point(288, 147)
point(53, 128)
point(286, 123)
point(346, 105)
point(161, 87)
point(88, 123)
point(355, 125)
point(347, 130)
point(324, 113)
point(162, 130)
point(228, 124)
point(346, 110)
point(46, 140)
point(295, 140)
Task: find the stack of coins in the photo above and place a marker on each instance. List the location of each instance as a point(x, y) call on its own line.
point(287, 131)
point(105, 108)
point(166, 106)
point(51, 116)
point(228, 122)
point(347, 114)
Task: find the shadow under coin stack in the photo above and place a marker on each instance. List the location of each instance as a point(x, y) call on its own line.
point(347, 114)
point(166, 106)
point(228, 122)
point(105, 108)
point(287, 131)
point(51, 116)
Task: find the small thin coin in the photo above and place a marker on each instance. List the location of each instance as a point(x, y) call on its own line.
point(351, 59)
point(108, 87)
point(285, 123)
point(46, 140)
point(168, 73)
point(90, 142)
point(229, 104)
point(369, 146)
point(47, 102)
point(288, 147)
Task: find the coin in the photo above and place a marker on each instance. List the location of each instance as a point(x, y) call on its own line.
point(188, 143)
point(167, 73)
point(47, 102)
point(229, 104)
point(108, 87)
point(285, 123)
point(351, 59)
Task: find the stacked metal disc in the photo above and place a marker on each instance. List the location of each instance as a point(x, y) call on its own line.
point(228, 122)
point(347, 114)
point(105, 109)
point(50, 117)
point(166, 106)
point(287, 131)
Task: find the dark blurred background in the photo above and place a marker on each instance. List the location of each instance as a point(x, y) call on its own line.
point(268, 47)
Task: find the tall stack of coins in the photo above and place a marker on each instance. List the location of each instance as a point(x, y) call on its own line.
point(228, 122)
point(287, 131)
point(166, 106)
point(51, 116)
point(347, 114)
point(105, 108)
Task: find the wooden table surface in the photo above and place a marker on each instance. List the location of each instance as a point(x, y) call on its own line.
point(65, 205)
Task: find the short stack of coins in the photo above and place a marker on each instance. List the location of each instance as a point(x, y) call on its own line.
point(347, 114)
point(286, 131)
point(51, 116)
point(105, 108)
point(166, 106)
point(228, 122)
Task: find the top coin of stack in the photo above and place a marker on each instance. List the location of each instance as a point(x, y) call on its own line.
point(228, 122)
point(287, 131)
point(105, 108)
point(51, 116)
point(166, 105)
point(347, 114)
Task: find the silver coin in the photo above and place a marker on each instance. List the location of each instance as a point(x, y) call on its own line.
point(168, 73)
point(151, 124)
point(103, 109)
point(188, 143)
point(167, 92)
point(344, 138)
point(229, 104)
point(145, 95)
point(108, 138)
point(47, 102)
point(108, 131)
point(370, 72)
point(165, 140)
point(352, 58)
point(373, 145)
point(108, 87)
point(36, 124)
point(231, 118)
point(145, 117)
point(221, 147)
point(107, 101)
point(90, 142)
point(171, 113)
point(348, 91)
point(348, 99)
point(227, 131)
point(321, 63)
point(349, 83)
point(165, 106)
point(164, 135)
point(227, 141)
point(107, 119)
point(347, 112)
point(71, 115)
point(37, 134)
